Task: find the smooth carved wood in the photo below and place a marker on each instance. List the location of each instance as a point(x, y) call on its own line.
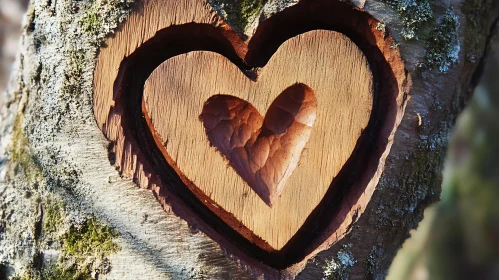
point(239, 220)
point(326, 61)
point(264, 152)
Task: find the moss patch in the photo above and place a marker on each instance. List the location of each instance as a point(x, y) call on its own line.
point(85, 248)
point(53, 219)
point(56, 272)
point(73, 80)
point(63, 273)
point(417, 186)
point(90, 239)
point(441, 35)
point(21, 156)
point(420, 179)
point(55, 75)
point(91, 23)
point(423, 170)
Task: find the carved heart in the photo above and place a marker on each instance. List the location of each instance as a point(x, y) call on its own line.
point(176, 92)
point(154, 77)
point(264, 152)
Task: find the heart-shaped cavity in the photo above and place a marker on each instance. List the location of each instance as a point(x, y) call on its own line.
point(264, 152)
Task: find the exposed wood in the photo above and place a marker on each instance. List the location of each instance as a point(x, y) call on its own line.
point(263, 151)
point(135, 32)
point(328, 62)
point(160, 142)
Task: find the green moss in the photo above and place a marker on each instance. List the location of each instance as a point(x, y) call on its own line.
point(417, 185)
point(65, 273)
point(441, 35)
point(91, 21)
point(29, 275)
point(24, 277)
point(21, 156)
point(90, 239)
point(74, 78)
point(83, 247)
point(443, 45)
point(56, 272)
point(52, 216)
point(239, 13)
point(339, 268)
point(250, 9)
point(81, 26)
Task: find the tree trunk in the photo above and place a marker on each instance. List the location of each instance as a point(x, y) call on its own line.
point(84, 195)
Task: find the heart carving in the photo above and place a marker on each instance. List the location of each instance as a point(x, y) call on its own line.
point(152, 82)
point(264, 152)
point(173, 103)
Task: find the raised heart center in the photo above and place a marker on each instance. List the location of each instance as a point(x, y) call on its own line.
point(176, 92)
point(264, 152)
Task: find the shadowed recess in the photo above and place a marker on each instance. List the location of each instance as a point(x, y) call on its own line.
point(264, 152)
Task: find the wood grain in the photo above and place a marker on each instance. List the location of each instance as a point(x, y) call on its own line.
point(136, 31)
point(328, 62)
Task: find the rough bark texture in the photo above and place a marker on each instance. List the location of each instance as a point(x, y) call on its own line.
point(65, 211)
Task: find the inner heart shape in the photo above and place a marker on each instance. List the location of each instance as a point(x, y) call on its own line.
point(263, 151)
point(259, 154)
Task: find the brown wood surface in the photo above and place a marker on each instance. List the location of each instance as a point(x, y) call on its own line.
point(264, 151)
point(328, 62)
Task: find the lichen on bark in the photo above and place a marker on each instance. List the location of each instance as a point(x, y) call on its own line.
point(239, 13)
point(443, 44)
point(339, 268)
point(414, 14)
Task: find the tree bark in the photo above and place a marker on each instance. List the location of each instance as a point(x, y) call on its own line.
point(66, 211)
